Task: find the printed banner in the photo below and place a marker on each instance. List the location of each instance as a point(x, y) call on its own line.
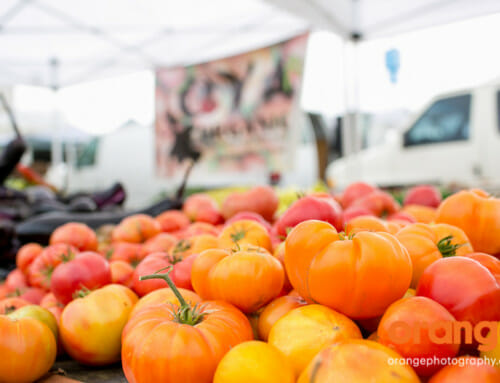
point(230, 116)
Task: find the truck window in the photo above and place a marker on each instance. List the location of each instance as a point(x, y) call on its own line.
point(446, 120)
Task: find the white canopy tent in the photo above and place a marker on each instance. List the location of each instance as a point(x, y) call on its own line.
point(61, 42)
point(55, 43)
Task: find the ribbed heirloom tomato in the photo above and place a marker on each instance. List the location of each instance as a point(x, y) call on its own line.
point(136, 229)
point(27, 349)
point(248, 278)
point(41, 269)
point(428, 243)
point(172, 343)
point(26, 255)
point(244, 232)
point(359, 276)
point(478, 215)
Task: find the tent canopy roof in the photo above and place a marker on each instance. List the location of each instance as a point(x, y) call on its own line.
point(92, 39)
point(369, 19)
point(63, 42)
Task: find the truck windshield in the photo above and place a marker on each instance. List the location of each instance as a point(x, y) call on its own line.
point(446, 120)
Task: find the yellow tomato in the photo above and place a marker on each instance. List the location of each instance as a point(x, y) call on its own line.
point(91, 327)
point(357, 361)
point(255, 362)
point(303, 332)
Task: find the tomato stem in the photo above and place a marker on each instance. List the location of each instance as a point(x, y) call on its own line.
point(446, 248)
point(186, 314)
point(166, 278)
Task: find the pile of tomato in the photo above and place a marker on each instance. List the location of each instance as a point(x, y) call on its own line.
point(339, 288)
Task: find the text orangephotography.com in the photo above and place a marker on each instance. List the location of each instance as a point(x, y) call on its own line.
point(462, 362)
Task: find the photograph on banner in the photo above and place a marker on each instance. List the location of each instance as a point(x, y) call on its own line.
point(231, 115)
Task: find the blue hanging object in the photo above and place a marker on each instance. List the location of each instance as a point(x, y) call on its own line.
point(392, 64)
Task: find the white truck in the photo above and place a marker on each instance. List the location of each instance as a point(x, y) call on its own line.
point(455, 139)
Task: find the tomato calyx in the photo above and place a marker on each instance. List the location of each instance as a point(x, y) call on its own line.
point(346, 237)
point(82, 293)
point(9, 309)
point(181, 247)
point(185, 314)
point(446, 248)
point(238, 235)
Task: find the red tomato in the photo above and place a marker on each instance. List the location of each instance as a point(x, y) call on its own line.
point(162, 242)
point(355, 211)
point(307, 208)
point(414, 340)
point(488, 261)
point(76, 234)
point(180, 275)
point(16, 280)
point(355, 191)
point(172, 221)
point(122, 273)
point(50, 303)
point(31, 294)
point(40, 271)
point(8, 305)
point(124, 251)
point(423, 195)
point(88, 270)
point(26, 255)
point(378, 202)
point(262, 200)
point(202, 208)
point(464, 287)
point(467, 369)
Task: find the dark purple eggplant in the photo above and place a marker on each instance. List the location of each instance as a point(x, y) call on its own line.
point(83, 204)
point(39, 228)
point(114, 196)
point(7, 194)
point(8, 244)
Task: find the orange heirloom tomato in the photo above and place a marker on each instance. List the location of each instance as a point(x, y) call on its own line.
point(173, 343)
point(358, 360)
point(426, 243)
point(255, 362)
point(304, 331)
point(406, 327)
point(76, 234)
point(165, 296)
point(488, 261)
point(27, 348)
point(366, 223)
point(279, 254)
point(244, 232)
point(422, 214)
point(91, 327)
point(467, 369)
point(194, 245)
point(137, 228)
point(248, 278)
point(478, 215)
point(275, 310)
point(360, 277)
